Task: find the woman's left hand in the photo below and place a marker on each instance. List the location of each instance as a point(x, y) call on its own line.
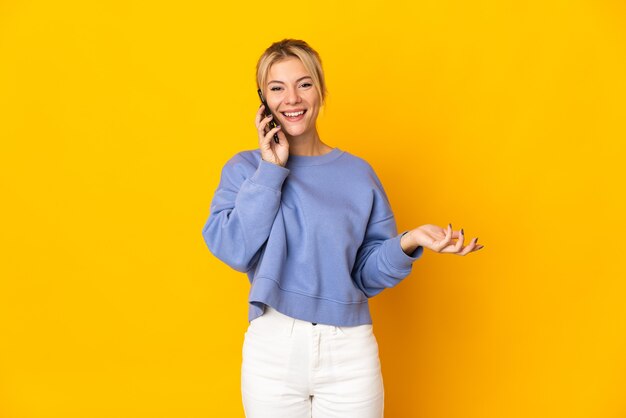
point(439, 240)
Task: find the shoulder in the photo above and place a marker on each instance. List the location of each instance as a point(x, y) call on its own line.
point(245, 158)
point(240, 166)
point(243, 161)
point(361, 166)
point(356, 162)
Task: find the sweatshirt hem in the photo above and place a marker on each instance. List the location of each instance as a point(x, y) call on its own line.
point(317, 309)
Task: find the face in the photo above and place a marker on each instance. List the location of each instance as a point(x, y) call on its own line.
point(290, 90)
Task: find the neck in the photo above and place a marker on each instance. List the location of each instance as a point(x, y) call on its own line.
point(307, 144)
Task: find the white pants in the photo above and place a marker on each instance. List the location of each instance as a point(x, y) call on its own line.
point(294, 369)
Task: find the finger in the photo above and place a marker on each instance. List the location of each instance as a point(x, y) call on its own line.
point(443, 247)
point(271, 132)
point(471, 247)
point(448, 238)
point(459, 242)
point(281, 136)
point(259, 115)
point(453, 234)
point(264, 122)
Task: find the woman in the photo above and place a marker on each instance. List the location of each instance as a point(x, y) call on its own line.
point(313, 229)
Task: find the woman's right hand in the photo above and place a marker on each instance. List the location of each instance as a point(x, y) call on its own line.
point(270, 150)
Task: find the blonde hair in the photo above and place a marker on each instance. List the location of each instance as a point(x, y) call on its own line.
point(284, 49)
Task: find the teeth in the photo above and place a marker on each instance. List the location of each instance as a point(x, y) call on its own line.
point(293, 114)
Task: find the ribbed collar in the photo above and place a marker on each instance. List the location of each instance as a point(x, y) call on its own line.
point(306, 160)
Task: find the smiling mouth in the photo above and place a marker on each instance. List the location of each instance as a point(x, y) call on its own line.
point(294, 116)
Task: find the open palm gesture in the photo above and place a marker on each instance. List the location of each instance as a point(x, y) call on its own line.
point(441, 240)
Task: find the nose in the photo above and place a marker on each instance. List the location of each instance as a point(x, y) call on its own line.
point(292, 96)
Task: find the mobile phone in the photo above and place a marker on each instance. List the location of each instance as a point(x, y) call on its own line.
point(272, 122)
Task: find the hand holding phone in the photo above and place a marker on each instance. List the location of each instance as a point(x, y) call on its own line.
point(267, 112)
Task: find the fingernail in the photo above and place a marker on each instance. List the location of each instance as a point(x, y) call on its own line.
point(450, 225)
point(462, 233)
point(476, 239)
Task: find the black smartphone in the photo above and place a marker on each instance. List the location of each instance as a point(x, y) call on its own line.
point(272, 123)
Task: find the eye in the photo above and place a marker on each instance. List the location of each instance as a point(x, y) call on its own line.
point(274, 88)
point(306, 84)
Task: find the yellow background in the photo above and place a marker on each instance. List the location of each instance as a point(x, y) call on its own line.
point(504, 118)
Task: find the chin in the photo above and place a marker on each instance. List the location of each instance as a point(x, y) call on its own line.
point(295, 132)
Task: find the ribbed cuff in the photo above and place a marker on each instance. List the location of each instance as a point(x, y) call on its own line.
point(397, 257)
point(270, 175)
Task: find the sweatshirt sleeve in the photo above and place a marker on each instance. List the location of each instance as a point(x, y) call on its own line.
point(242, 211)
point(380, 261)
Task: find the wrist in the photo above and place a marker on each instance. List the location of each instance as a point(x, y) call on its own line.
point(407, 243)
point(272, 162)
point(276, 162)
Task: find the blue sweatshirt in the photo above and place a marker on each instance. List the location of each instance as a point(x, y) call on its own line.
point(316, 238)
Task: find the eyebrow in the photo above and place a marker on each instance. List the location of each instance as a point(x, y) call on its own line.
point(301, 78)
